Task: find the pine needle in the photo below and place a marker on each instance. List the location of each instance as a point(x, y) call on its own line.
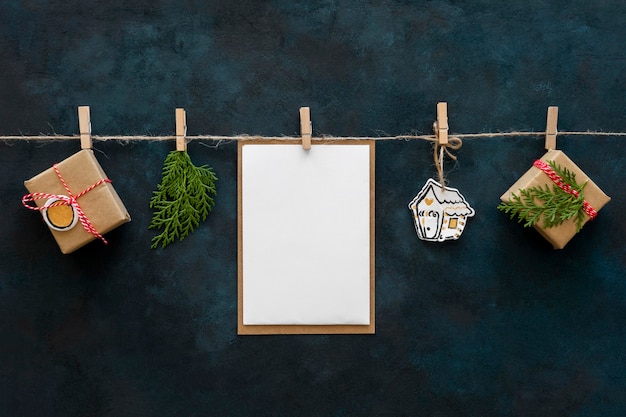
point(550, 205)
point(182, 199)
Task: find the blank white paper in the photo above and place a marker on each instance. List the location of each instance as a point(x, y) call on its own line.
point(306, 234)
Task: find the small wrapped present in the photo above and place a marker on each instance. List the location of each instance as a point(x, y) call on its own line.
point(546, 181)
point(76, 200)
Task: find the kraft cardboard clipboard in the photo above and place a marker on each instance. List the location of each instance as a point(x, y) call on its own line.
point(267, 329)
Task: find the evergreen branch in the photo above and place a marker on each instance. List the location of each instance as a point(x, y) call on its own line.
point(182, 199)
point(550, 205)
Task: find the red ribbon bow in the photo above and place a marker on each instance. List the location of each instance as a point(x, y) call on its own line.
point(558, 180)
point(69, 200)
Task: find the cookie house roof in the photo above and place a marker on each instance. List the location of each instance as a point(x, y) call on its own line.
point(451, 200)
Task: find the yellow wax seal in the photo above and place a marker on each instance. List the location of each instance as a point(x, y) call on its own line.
point(59, 217)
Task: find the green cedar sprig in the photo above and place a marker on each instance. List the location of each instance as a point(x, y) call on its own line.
point(182, 199)
point(552, 205)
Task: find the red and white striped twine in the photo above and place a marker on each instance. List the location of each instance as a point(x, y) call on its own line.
point(69, 200)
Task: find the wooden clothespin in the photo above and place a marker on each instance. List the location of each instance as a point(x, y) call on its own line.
point(441, 125)
point(306, 127)
point(181, 130)
point(84, 126)
point(553, 115)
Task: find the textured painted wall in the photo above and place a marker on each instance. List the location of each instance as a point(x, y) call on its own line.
point(495, 324)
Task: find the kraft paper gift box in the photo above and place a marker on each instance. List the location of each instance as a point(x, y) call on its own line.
point(560, 235)
point(101, 205)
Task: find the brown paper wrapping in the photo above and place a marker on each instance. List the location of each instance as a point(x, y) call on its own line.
point(559, 236)
point(102, 206)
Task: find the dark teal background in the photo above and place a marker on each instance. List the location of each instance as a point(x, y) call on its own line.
point(495, 324)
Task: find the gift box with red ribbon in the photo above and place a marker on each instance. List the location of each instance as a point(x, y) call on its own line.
point(542, 175)
point(77, 201)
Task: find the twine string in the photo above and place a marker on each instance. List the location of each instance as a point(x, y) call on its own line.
point(439, 152)
point(219, 138)
point(68, 200)
point(454, 142)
